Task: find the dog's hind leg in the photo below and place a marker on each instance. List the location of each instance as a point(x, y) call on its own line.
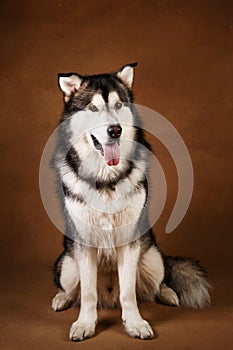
point(60, 302)
point(149, 280)
point(168, 296)
point(67, 279)
point(150, 274)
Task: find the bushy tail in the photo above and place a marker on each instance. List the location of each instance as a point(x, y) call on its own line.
point(189, 280)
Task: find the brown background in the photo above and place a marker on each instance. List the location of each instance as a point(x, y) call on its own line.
point(184, 50)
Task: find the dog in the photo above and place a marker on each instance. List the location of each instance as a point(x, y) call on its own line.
point(110, 255)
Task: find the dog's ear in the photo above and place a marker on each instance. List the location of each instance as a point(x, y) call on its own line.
point(126, 74)
point(69, 83)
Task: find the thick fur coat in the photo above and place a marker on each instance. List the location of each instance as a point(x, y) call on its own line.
point(110, 255)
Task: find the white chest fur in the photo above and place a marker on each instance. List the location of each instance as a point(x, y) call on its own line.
point(107, 218)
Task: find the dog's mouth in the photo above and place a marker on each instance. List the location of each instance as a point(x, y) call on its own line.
point(110, 151)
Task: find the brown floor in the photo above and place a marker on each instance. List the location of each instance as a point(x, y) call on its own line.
point(28, 322)
point(185, 55)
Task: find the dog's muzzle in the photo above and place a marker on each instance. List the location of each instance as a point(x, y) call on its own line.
point(111, 149)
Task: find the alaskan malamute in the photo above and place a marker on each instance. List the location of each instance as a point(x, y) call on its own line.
point(110, 254)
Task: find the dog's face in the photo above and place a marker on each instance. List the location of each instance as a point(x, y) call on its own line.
point(100, 113)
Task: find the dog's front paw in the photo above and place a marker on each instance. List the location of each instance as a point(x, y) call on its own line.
point(80, 331)
point(139, 329)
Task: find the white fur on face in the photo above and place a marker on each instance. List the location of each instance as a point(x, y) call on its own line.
point(86, 123)
point(98, 101)
point(113, 97)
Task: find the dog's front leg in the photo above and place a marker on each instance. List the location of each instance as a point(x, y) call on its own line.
point(85, 325)
point(127, 268)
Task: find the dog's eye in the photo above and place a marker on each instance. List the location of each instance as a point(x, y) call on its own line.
point(118, 105)
point(93, 108)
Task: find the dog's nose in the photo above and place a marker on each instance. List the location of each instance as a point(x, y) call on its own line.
point(114, 131)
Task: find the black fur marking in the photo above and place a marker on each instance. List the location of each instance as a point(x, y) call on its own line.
point(101, 83)
point(112, 183)
point(73, 160)
point(68, 193)
point(57, 270)
point(132, 65)
point(148, 239)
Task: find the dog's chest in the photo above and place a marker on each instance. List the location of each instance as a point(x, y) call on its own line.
point(107, 218)
point(108, 208)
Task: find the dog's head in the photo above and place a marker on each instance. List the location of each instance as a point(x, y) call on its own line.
point(99, 109)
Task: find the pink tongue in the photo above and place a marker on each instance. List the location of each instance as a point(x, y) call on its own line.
point(112, 153)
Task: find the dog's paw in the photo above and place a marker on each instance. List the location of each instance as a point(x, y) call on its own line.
point(80, 331)
point(168, 296)
point(60, 302)
point(140, 329)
